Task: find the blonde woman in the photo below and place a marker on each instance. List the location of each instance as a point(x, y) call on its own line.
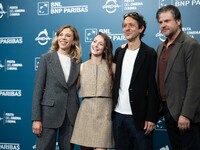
point(55, 100)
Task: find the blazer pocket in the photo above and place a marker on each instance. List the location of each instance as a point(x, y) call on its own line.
point(48, 103)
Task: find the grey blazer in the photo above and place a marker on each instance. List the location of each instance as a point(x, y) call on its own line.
point(52, 96)
point(181, 81)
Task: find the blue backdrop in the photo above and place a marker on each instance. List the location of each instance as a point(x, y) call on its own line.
point(26, 31)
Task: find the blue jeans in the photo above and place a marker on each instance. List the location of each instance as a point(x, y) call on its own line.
point(127, 136)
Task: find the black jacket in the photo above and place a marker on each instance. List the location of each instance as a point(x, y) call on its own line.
point(143, 91)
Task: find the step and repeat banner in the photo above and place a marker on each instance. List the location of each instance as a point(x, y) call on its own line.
point(26, 31)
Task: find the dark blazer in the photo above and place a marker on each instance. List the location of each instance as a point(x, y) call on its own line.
point(53, 96)
point(181, 81)
point(142, 90)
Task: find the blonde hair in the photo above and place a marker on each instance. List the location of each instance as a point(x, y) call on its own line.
point(75, 51)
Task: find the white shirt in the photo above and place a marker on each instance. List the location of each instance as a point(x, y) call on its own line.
point(123, 105)
point(65, 62)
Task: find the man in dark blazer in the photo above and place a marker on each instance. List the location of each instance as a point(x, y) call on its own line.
point(135, 97)
point(178, 75)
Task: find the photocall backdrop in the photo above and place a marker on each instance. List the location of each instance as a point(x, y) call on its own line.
point(26, 31)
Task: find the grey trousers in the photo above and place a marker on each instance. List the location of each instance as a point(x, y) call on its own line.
point(47, 141)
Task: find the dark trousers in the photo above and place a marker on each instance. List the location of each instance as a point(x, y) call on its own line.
point(181, 140)
point(47, 141)
point(127, 136)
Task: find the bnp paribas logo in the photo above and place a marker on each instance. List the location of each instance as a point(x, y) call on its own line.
point(161, 124)
point(37, 60)
point(43, 8)
point(165, 3)
point(90, 34)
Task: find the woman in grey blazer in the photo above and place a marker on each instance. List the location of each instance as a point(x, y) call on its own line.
point(55, 100)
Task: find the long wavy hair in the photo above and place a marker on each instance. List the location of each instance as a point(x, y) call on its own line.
point(107, 54)
point(75, 51)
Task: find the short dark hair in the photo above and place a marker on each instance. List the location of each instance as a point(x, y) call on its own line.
point(139, 18)
point(174, 11)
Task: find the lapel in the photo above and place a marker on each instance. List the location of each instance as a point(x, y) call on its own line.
point(159, 50)
point(174, 53)
point(56, 67)
point(119, 62)
point(74, 72)
point(139, 61)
